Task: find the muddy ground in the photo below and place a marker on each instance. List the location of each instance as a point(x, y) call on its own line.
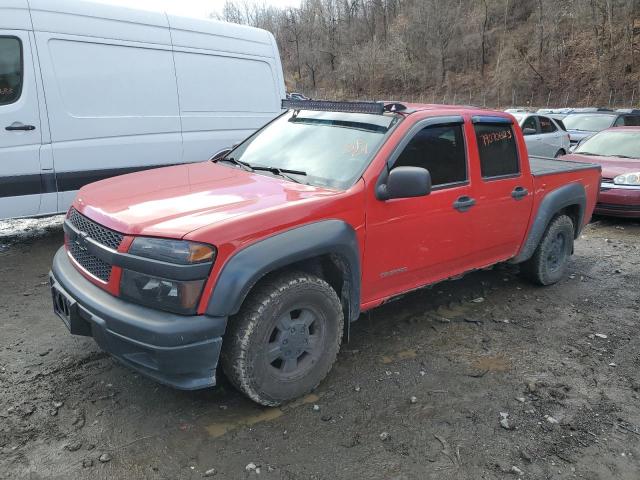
point(558, 366)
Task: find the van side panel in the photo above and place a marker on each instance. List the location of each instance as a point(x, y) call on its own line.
point(93, 19)
point(111, 99)
point(14, 14)
point(229, 84)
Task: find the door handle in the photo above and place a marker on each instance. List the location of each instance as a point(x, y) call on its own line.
point(519, 193)
point(19, 126)
point(464, 203)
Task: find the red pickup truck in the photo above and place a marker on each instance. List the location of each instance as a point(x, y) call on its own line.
point(263, 256)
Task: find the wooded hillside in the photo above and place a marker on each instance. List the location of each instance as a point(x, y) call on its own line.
point(486, 52)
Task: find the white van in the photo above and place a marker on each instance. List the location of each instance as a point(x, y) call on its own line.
point(89, 91)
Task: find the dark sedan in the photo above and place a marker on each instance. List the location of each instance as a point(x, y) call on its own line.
point(617, 150)
point(583, 125)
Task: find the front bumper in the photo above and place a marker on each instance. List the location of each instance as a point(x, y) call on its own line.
point(179, 351)
point(618, 200)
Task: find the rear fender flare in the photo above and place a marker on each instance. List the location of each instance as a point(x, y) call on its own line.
point(246, 267)
point(566, 196)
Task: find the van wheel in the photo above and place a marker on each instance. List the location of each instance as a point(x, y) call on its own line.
point(560, 153)
point(285, 338)
point(550, 260)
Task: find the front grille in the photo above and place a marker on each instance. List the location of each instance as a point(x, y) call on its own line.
point(100, 234)
point(109, 238)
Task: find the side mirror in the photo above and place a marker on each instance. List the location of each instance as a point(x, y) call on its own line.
point(220, 154)
point(405, 182)
point(529, 131)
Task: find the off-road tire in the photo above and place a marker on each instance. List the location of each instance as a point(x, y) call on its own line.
point(549, 262)
point(249, 338)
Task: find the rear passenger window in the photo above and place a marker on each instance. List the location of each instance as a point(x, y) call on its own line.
point(439, 149)
point(10, 70)
point(530, 122)
point(546, 125)
point(498, 150)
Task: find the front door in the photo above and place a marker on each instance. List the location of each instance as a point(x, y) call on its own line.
point(415, 241)
point(20, 137)
point(532, 137)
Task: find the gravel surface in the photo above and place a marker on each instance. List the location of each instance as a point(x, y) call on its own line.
point(487, 377)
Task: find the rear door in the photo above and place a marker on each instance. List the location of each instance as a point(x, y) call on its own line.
point(20, 135)
point(504, 191)
point(551, 137)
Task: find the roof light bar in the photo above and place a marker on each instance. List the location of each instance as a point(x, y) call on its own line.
point(374, 108)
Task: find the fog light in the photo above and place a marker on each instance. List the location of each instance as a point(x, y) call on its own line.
point(161, 293)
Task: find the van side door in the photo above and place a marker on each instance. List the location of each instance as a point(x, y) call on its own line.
point(20, 134)
point(110, 89)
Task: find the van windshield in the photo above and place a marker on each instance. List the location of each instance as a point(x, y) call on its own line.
point(332, 148)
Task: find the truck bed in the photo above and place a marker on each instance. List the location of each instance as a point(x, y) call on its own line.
point(546, 166)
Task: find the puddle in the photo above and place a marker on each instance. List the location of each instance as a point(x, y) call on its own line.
point(495, 363)
point(233, 421)
point(403, 355)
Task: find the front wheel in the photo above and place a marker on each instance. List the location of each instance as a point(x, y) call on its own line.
point(285, 338)
point(550, 260)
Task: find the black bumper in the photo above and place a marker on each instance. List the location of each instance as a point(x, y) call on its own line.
point(179, 351)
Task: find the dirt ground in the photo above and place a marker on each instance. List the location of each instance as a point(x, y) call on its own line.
point(486, 377)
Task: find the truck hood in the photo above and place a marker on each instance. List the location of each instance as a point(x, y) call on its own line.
point(173, 201)
point(611, 166)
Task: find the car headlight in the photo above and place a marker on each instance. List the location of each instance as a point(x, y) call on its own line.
point(628, 179)
point(177, 296)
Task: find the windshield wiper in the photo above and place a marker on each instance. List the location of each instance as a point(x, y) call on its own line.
point(623, 156)
point(588, 153)
point(240, 163)
point(281, 172)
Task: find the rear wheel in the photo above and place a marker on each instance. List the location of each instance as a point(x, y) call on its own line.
point(550, 260)
point(285, 338)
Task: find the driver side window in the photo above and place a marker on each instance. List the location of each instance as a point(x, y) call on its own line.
point(441, 150)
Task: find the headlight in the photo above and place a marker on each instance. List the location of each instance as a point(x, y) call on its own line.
point(161, 293)
point(152, 290)
point(628, 179)
point(173, 251)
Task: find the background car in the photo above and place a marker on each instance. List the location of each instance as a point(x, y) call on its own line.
point(582, 125)
point(617, 150)
point(544, 136)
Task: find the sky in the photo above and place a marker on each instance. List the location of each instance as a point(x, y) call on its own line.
point(191, 8)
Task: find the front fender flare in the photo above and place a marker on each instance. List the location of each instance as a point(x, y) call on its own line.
point(245, 268)
point(566, 196)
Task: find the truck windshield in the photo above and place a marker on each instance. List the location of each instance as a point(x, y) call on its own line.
point(332, 149)
point(612, 143)
point(589, 123)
